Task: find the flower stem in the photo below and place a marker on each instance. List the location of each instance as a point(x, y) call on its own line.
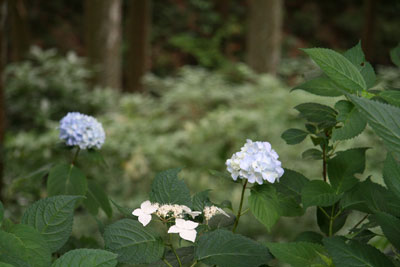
point(174, 251)
point(324, 162)
point(76, 155)
point(167, 263)
point(240, 207)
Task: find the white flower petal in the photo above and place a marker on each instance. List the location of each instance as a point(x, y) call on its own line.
point(137, 212)
point(144, 219)
point(183, 224)
point(189, 235)
point(173, 229)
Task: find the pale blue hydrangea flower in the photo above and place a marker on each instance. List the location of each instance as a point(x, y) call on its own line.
point(256, 162)
point(81, 130)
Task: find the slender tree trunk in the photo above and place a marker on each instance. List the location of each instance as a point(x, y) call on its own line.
point(3, 16)
point(103, 40)
point(19, 29)
point(264, 35)
point(139, 23)
point(369, 28)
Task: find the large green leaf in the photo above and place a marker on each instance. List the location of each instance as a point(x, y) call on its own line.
point(356, 56)
point(354, 254)
point(24, 246)
point(321, 85)
point(317, 113)
point(87, 258)
point(96, 198)
point(226, 249)
point(391, 174)
point(168, 189)
point(66, 179)
point(264, 204)
point(318, 193)
point(395, 55)
point(343, 166)
point(297, 254)
point(291, 183)
point(53, 218)
point(338, 68)
point(390, 227)
point(384, 120)
point(294, 136)
point(132, 242)
point(371, 197)
point(391, 96)
point(200, 200)
point(353, 122)
point(310, 237)
point(324, 223)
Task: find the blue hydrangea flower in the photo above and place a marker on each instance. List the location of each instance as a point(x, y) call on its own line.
point(81, 130)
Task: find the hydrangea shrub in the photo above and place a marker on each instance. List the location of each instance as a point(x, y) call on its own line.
point(175, 228)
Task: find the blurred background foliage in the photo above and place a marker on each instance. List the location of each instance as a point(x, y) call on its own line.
point(196, 101)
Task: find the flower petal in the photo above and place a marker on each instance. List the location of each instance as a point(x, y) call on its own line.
point(144, 219)
point(189, 235)
point(173, 229)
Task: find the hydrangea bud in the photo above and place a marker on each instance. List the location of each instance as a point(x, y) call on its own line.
point(256, 162)
point(81, 130)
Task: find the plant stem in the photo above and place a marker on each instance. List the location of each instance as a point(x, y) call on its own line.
point(76, 155)
point(324, 212)
point(240, 207)
point(324, 162)
point(331, 220)
point(167, 263)
point(194, 263)
point(363, 219)
point(174, 251)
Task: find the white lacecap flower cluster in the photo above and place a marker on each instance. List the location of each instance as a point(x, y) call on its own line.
point(256, 162)
point(81, 130)
point(185, 228)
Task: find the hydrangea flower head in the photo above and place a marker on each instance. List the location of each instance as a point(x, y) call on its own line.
point(256, 162)
point(211, 211)
point(81, 130)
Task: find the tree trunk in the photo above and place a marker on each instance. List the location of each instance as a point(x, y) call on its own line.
point(19, 29)
point(103, 40)
point(264, 35)
point(3, 14)
point(139, 23)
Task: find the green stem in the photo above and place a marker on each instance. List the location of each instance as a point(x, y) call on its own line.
point(363, 219)
point(331, 220)
point(194, 263)
point(324, 162)
point(174, 251)
point(324, 212)
point(76, 155)
point(167, 263)
point(240, 207)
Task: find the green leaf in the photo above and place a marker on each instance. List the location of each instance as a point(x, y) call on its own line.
point(3, 264)
point(384, 120)
point(324, 222)
point(317, 113)
point(66, 179)
point(309, 236)
point(264, 205)
point(96, 198)
point(391, 174)
point(294, 136)
point(322, 86)
point(168, 189)
point(353, 122)
point(132, 242)
point(312, 153)
point(338, 68)
point(52, 217)
point(370, 197)
point(24, 246)
point(354, 254)
point(299, 254)
point(291, 184)
point(1, 212)
point(201, 200)
point(226, 249)
point(395, 55)
point(343, 166)
point(390, 227)
point(391, 96)
point(222, 221)
point(87, 258)
point(318, 193)
point(127, 212)
point(186, 255)
point(356, 56)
